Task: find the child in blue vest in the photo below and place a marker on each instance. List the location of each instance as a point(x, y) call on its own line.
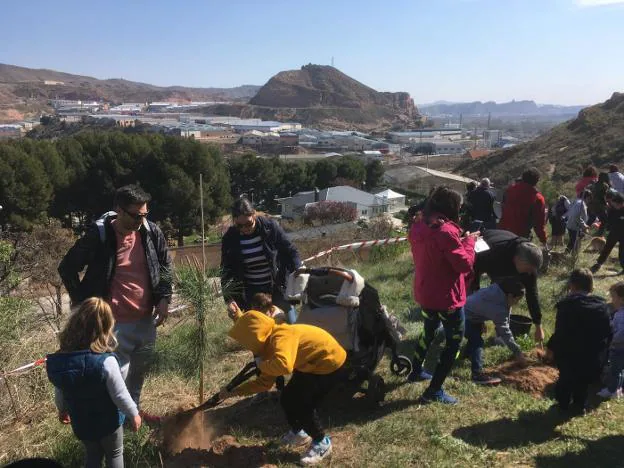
point(90, 392)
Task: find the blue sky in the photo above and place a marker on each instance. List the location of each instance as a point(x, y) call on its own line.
point(552, 51)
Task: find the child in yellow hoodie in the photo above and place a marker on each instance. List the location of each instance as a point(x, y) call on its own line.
point(315, 360)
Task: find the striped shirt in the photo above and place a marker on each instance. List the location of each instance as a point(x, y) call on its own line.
point(257, 271)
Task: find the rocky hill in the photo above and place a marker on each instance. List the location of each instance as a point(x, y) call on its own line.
point(24, 90)
point(323, 95)
point(595, 136)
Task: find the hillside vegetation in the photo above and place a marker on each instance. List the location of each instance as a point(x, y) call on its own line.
point(595, 136)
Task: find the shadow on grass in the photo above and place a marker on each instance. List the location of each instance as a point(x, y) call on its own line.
point(265, 418)
point(607, 452)
point(534, 427)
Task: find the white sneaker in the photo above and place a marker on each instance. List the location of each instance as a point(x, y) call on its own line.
point(317, 452)
point(291, 439)
point(606, 394)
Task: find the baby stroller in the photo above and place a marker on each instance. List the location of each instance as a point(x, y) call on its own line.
point(342, 303)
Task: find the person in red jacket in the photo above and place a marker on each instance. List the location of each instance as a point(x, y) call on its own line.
point(590, 176)
point(443, 258)
point(524, 208)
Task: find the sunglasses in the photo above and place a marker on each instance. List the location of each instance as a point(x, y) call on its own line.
point(136, 216)
point(248, 225)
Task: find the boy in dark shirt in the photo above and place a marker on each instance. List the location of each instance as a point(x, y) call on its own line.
point(578, 345)
point(615, 226)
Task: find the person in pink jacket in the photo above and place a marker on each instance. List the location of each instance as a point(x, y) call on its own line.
point(443, 258)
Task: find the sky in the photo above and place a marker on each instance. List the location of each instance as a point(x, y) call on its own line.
point(551, 51)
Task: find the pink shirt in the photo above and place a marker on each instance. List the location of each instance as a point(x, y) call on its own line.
point(130, 292)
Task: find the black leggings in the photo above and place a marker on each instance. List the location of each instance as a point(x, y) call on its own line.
point(302, 395)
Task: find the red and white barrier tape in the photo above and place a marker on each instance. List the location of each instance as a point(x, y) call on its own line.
point(41, 361)
point(356, 246)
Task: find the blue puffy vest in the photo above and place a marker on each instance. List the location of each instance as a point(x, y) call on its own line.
point(80, 376)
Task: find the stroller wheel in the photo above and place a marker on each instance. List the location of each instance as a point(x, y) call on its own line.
point(376, 392)
point(401, 366)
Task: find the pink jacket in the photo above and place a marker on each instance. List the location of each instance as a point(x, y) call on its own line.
point(442, 261)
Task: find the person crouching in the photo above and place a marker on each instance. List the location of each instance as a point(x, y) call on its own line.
point(579, 343)
point(315, 360)
point(492, 303)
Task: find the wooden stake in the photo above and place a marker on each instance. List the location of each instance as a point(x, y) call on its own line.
point(13, 404)
point(202, 337)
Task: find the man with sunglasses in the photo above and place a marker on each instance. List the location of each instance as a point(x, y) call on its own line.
point(128, 264)
point(256, 257)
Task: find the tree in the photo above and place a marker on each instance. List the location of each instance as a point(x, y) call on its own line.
point(325, 171)
point(374, 174)
point(330, 212)
point(351, 168)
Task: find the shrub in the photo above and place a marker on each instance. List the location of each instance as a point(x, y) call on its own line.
point(330, 212)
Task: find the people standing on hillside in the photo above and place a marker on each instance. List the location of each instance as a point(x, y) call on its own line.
point(90, 392)
point(127, 264)
point(492, 303)
point(579, 342)
point(558, 219)
point(513, 256)
point(481, 201)
point(256, 257)
point(615, 232)
point(524, 208)
point(577, 221)
point(616, 347)
point(616, 178)
point(590, 175)
point(442, 261)
point(597, 206)
point(465, 213)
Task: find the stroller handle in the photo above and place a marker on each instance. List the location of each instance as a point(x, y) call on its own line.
point(344, 274)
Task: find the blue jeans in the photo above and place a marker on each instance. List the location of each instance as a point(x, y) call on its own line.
point(453, 323)
point(616, 365)
point(475, 345)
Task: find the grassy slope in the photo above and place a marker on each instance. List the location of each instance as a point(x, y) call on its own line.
point(490, 425)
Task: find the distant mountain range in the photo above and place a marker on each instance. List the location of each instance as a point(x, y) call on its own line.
point(26, 90)
point(596, 137)
point(513, 108)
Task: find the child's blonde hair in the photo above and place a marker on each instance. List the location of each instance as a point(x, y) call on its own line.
point(90, 327)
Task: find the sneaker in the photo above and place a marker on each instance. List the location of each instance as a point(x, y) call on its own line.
point(419, 376)
point(484, 379)
point(295, 439)
point(607, 395)
point(149, 419)
point(317, 452)
point(595, 268)
point(440, 397)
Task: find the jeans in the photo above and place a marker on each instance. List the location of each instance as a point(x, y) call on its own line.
point(109, 447)
point(135, 352)
point(616, 366)
point(453, 323)
point(475, 345)
point(302, 395)
point(574, 240)
point(606, 251)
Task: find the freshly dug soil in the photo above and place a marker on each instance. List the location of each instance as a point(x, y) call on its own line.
point(535, 379)
point(187, 430)
point(225, 452)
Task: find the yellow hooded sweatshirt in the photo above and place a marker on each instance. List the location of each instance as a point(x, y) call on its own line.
point(284, 349)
